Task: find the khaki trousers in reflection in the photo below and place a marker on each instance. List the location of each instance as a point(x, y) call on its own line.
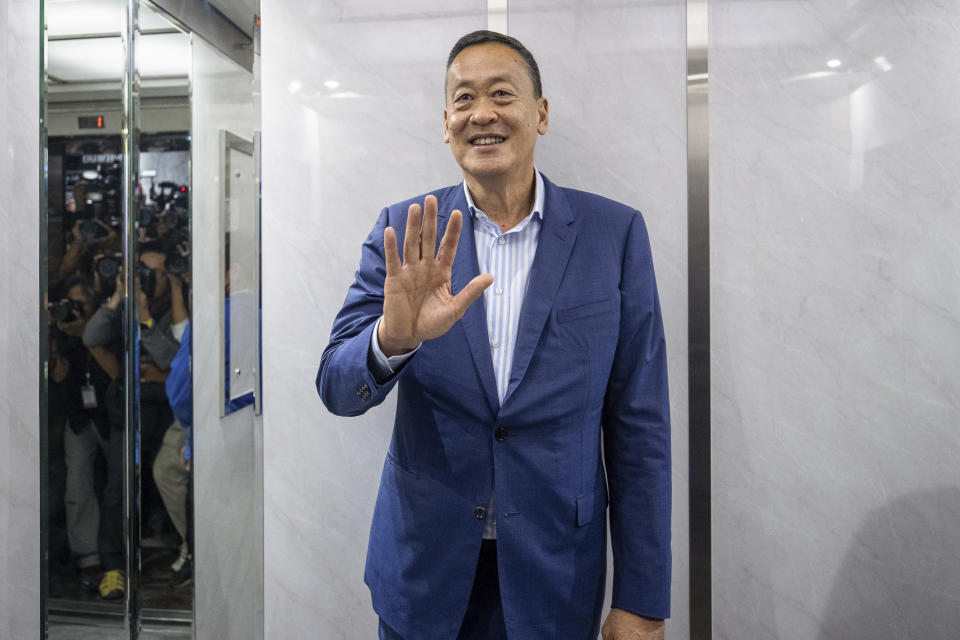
point(171, 478)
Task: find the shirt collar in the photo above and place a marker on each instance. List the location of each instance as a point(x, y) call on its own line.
point(538, 195)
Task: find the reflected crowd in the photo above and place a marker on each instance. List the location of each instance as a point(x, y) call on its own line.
point(86, 300)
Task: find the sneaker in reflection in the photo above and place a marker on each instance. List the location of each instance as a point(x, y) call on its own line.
point(111, 586)
point(90, 577)
point(184, 576)
point(178, 563)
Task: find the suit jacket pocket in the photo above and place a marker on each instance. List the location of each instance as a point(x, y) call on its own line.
point(590, 505)
point(587, 309)
point(399, 466)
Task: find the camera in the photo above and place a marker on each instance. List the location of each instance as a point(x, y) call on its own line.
point(107, 267)
point(178, 253)
point(66, 310)
point(91, 230)
point(148, 280)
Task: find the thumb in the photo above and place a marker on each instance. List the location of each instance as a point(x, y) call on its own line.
point(471, 292)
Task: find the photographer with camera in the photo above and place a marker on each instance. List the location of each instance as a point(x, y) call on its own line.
point(162, 314)
point(79, 379)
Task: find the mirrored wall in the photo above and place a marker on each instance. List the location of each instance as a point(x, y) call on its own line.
point(119, 217)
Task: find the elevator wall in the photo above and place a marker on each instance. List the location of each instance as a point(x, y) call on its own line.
point(228, 469)
point(352, 118)
point(19, 319)
point(834, 142)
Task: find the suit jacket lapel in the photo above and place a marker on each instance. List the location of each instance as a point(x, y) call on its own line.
point(465, 269)
point(557, 236)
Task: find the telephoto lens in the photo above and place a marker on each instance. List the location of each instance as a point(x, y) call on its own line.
point(148, 280)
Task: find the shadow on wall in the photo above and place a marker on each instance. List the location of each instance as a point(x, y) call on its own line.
point(901, 576)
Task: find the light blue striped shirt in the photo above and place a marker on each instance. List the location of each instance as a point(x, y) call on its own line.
point(508, 257)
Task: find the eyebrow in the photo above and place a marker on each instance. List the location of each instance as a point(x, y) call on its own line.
point(493, 80)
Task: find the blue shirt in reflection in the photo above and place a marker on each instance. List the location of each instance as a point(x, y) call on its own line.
point(179, 391)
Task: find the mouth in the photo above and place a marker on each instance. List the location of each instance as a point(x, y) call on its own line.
point(482, 141)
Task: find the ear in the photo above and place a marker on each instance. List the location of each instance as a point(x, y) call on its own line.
point(446, 131)
point(544, 110)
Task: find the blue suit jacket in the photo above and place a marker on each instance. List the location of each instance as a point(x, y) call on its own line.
point(589, 367)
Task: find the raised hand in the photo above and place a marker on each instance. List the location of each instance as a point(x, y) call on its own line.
point(418, 303)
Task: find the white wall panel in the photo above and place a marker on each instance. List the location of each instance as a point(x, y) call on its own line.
point(228, 458)
point(352, 114)
point(835, 316)
point(19, 318)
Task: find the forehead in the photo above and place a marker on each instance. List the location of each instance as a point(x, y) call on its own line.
point(76, 292)
point(486, 63)
point(153, 258)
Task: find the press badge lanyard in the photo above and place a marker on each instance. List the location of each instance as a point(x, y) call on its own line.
point(87, 393)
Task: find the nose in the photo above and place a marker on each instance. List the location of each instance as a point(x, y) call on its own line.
point(483, 113)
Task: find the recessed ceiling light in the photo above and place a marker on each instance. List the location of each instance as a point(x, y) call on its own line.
point(331, 84)
point(833, 64)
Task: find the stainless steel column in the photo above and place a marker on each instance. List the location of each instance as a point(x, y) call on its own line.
point(131, 327)
point(698, 305)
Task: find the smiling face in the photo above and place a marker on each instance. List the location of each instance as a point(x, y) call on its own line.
point(492, 117)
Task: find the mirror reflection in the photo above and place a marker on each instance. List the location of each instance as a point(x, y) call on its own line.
point(117, 488)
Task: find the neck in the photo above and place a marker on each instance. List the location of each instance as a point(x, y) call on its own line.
point(506, 201)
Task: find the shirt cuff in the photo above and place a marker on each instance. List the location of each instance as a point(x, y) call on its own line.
point(387, 366)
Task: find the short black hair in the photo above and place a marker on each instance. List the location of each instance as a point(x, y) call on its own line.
point(482, 37)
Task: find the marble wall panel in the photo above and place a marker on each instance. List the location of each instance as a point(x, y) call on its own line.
point(615, 76)
point(352, 116)
point(228, 486)
point(835, 316)
point(19, 319)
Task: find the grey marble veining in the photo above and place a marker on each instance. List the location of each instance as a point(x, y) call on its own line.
point(228, 494)
point(352, 114)
point(19, 319)
point(835, 316)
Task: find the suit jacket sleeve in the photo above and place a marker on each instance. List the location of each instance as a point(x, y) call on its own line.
point(345, 381)
point(636, 431)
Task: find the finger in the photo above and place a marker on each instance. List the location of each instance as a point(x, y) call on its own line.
point(471, 292)
point(428, 232)
point(411, 243)
point(390, 253)
point(451, 239)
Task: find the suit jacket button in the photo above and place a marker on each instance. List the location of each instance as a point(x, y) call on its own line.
point(500, 434)
point(480, 513)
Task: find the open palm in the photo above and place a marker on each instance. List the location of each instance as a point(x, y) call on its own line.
point(418, 303)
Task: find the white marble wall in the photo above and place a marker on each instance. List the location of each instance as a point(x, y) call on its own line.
point(836, 319)
point(615, 76)
point(228, 489)
point(352, 102)
point(333, 157)
point(19, 319)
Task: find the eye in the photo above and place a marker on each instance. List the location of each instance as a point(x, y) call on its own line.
point(463, 97)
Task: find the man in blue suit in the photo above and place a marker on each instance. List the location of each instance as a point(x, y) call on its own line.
point(491, 517)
